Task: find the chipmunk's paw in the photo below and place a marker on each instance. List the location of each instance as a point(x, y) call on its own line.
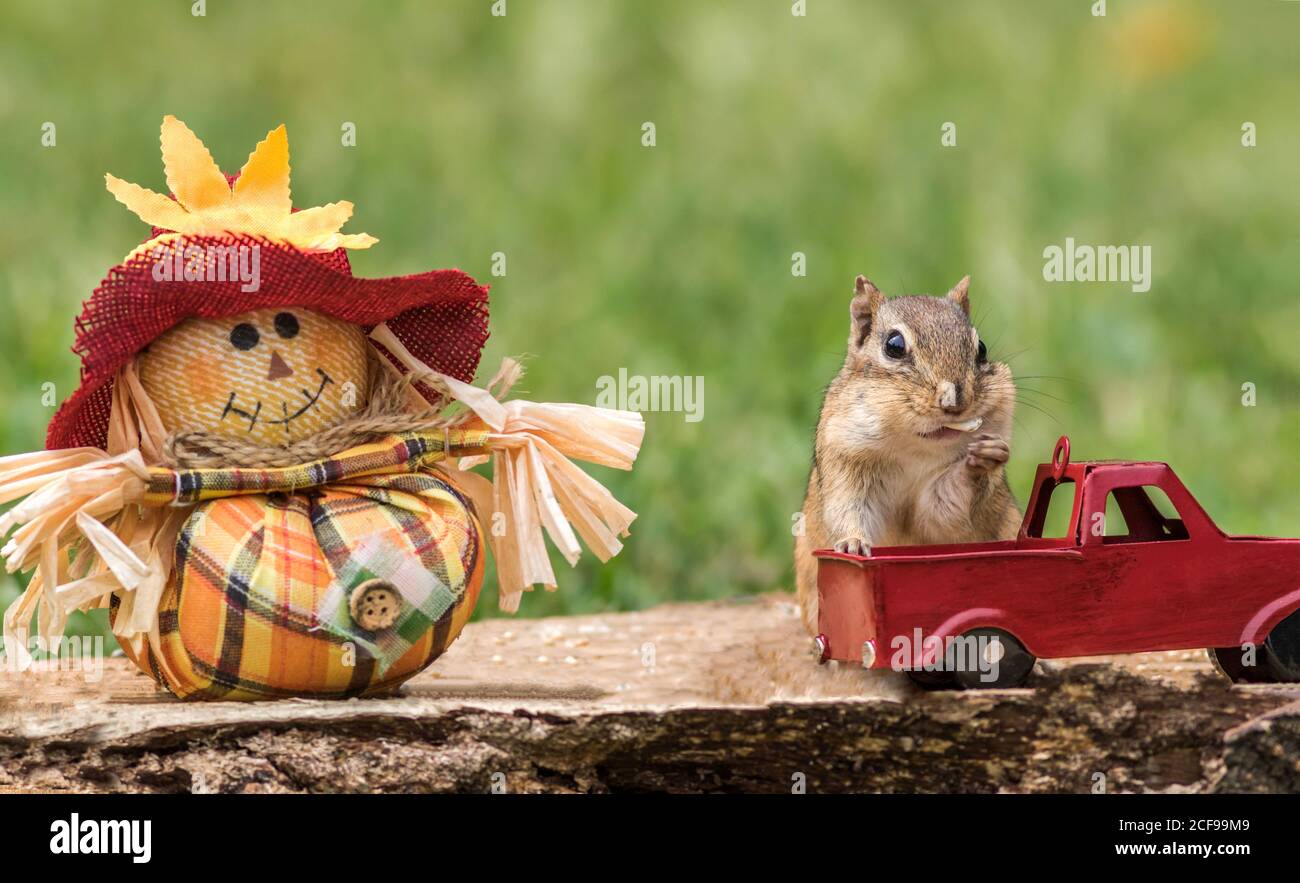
point(854, 546)
point(987, 452)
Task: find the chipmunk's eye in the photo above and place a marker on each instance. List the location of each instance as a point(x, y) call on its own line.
point(895, 345)
point(983, 354)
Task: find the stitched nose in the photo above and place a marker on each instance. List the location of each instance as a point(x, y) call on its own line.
point(950, 397)
point(279, 368)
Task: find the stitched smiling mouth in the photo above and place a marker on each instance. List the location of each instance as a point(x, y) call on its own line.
point(311, 399)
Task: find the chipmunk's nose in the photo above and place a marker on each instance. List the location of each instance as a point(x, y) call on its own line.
point(950, 398)
point(279, 368)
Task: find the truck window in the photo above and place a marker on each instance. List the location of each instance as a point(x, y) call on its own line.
point(1139, 515)
point(1052, 517)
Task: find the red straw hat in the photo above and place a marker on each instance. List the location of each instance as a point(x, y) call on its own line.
point(441, 316)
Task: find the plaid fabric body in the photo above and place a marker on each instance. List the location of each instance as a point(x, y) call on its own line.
point(256, 606)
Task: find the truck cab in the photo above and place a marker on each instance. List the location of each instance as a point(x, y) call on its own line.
point(1109, 503)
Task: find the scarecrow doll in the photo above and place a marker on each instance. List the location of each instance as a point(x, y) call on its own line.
point(265, 471)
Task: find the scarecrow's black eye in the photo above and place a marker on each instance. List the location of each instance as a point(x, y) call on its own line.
point(244, 336)
point(895, 345)
point(286, 325)
point(983, 354)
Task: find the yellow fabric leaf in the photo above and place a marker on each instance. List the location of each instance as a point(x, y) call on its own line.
point(152, 208)
point(191, 172)
point(264, 180)
point(319, 221)
point(342, 240)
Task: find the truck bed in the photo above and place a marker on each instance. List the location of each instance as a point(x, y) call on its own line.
point(948, 552)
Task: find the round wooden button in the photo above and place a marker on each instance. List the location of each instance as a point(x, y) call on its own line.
point(375, 604)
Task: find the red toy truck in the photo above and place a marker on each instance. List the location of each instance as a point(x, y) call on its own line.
point(979, 614)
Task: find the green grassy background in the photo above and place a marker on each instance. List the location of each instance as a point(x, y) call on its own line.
point(775, 134)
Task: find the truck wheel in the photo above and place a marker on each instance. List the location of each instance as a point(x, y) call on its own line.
point(985, 659)
point(1228, 661)
point(932, 680)
point(1282, 649)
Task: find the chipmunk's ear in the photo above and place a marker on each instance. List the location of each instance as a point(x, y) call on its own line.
point(867, 300)
point(961, 294)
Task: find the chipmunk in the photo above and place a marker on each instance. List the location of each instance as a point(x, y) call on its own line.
point(913, 436)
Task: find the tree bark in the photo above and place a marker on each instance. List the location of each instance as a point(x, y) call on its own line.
point(719, 696)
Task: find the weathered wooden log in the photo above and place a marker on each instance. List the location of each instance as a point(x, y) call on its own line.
point(716, 696)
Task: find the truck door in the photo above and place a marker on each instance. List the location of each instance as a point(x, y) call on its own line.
point(1137, 549)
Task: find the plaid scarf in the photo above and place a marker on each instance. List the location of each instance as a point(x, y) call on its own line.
point(402, 452)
